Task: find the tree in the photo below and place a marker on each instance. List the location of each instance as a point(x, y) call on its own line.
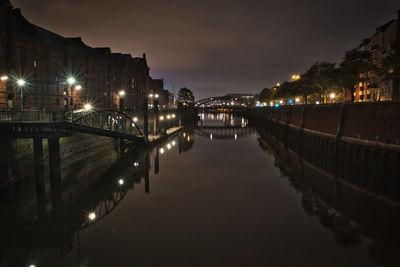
point(185, 96)
point(355, 62)
point(267, 94)
point(323, 76)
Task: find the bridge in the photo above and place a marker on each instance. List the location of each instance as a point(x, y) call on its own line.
point(39, 124)
point(231, 102)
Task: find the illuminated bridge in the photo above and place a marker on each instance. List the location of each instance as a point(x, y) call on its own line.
point(231, 101)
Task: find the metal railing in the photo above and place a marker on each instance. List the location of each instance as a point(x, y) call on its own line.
point(32, 116)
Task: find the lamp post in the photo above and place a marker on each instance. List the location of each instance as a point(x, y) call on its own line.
point(70, 82)
point(21, 84)
point(121, 100)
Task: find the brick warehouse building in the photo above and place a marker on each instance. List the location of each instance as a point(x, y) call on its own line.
point(46, 60)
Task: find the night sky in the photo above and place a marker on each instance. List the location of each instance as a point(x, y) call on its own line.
point(217, 47)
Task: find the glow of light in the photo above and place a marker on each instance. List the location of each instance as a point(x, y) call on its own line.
point(135, 119)
point(168, 117)
point(236, 137)
point(290, 101)
point(21, 82)
point(120, 181)
point(173, 115)
point(88, 107)
point(271, 103)
point(162, 150)
point(71, 80)
point(173, 143)
point(184, 134)
point(121, 93)
point(32, 265)
point(92, 216)
point(277, 105)
point(278, 84)
point(136, 164)
point(78, 87)
point(211, 136)
point(4, 78)
point(151, 95)
point(297, 99)
point(156, 95)
point(169, 146)
point(332, 95)
point(161, 118)
point(281, 102)
point(188, 138)
point(317, 102)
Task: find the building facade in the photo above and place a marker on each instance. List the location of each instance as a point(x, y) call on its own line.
point(36, 67)
point(384, 42)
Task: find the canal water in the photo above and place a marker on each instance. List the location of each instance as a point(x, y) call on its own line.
point(217, 194)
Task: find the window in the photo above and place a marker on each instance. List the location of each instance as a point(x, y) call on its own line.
point(34, 64)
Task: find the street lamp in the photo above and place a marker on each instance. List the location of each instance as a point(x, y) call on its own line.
point(70, 81)
point(121, 100)
point(332, 96)
point(92, 216)
point(88, 107)
point(295, 77)
point(21, 84)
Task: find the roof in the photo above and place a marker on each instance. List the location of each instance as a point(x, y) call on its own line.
point(385, 26)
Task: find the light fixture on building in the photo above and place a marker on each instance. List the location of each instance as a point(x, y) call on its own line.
point(78, 87)
point(121, 93)
point(4, 78)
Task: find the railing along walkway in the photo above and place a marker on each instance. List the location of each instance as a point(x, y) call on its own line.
point(27, 124)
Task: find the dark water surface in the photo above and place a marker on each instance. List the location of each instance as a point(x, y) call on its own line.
point(221, 198)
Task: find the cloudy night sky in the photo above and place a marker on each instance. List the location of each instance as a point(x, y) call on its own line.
point(217, 47)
